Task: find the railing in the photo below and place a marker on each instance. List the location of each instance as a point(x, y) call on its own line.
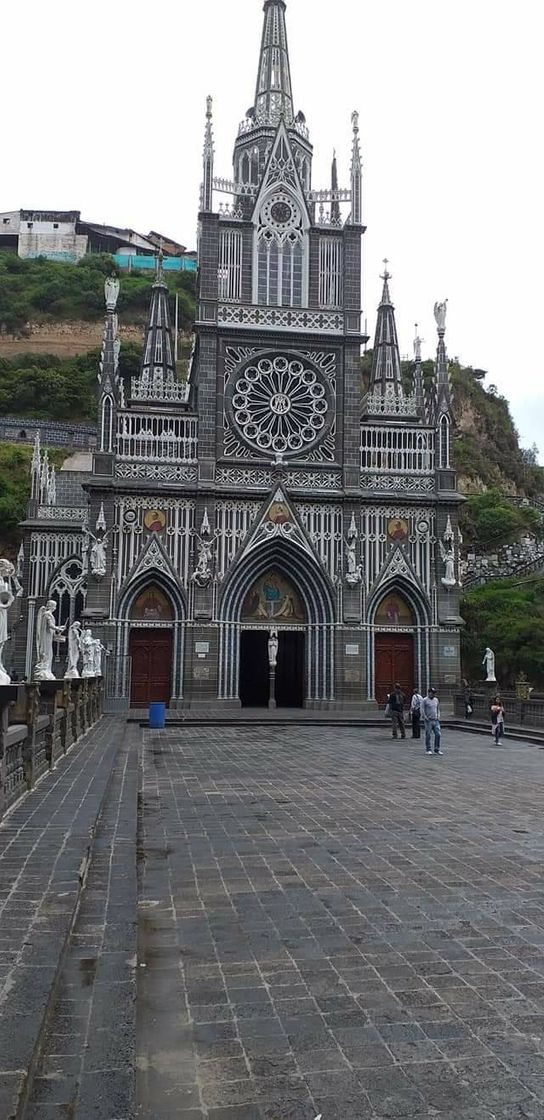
point(62, 513)
point(397, 449)
point(170, 439)
point(117, 682)
point(528, 713)
point(280, 318)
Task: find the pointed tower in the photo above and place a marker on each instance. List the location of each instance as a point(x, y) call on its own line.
point(419, 392)
point(157, 378)
point(108, 397)
point(356, 173)
point(335, 204)
point(386, 374)
point(442, 390)
point(206, 199)
point(273, 95)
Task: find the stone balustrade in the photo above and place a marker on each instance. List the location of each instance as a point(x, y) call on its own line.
point(39, 722)
point(518, 712)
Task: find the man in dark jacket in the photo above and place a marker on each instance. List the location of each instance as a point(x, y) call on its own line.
point(396, 704)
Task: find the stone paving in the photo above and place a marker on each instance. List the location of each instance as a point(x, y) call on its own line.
point(44, 846)
point(275, 923)
point(360, 927)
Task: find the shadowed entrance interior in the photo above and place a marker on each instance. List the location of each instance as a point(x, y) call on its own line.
point(255, 670)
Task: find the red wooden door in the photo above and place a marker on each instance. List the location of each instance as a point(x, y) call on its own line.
point(151, 652)
point(394, 664)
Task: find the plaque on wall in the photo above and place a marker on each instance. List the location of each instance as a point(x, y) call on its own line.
point(352, 676)
point(449, 651)
point(202, 647)
point(201, 673)
point(352, 649)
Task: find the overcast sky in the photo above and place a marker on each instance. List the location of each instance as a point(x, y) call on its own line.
point(104, 108)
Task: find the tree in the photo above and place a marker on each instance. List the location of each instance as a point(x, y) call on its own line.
point(507, 615)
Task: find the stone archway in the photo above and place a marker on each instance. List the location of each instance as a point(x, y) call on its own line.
point(151, 647)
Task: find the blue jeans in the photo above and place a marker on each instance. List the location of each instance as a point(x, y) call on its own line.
point(434, 726)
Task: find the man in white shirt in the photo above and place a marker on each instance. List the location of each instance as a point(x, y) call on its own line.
point(431, 715)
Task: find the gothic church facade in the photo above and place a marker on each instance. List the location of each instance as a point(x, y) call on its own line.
point(267, 493)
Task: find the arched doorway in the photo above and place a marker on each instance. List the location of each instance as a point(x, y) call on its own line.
point(393, 646)
point(151, 647)
point(272, 602)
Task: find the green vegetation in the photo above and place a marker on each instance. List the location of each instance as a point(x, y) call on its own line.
point(15, 490)
point(40, 290)
point(511, 615)
point(489, 520)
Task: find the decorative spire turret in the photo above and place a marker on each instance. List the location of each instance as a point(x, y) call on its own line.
point(108, 370)
point(356, 174)
point(335, 205)
point(443, 392)
point(419, 392)
point(157, 379)
point(273, 94)
point(206, 201)
point(386, 375)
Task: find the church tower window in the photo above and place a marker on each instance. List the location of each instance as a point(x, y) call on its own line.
point(444, 442)
point(230, 265)
point(281, 252)
point(330, 272)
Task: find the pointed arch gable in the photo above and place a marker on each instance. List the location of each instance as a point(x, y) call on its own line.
point(295, 564)
point(409, 590)
point(137, 583)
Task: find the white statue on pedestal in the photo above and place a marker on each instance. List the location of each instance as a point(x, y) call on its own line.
point(440, 310)
point(489, 665)
point(46, 631)
point(203, 572)
point(74, 650)
point(354, 573)
point(87, 650)
point(97, 554)
point(99, 649)
point(273, 647)
point(6, 599)
point(111, 292)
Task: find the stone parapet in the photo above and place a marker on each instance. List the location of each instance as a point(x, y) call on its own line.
point(39, 722)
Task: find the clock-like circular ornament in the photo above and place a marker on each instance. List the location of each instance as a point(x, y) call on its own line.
point(280, 403)
point(281, 212)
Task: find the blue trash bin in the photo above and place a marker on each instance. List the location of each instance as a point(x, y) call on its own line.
point(157, 715)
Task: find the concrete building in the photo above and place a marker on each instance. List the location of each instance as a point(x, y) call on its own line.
point(265, 533)
point(62, 235)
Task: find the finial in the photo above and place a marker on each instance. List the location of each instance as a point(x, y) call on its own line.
point(160, 256)
point(355, 121)
point(209, 106)
point(386, 274)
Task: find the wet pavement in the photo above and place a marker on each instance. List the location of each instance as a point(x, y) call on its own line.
point(281, 922)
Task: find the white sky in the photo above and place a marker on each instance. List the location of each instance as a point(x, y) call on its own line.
point(104, 109)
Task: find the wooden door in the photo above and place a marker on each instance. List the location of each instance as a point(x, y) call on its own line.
point(151, 653)
point(394, 663)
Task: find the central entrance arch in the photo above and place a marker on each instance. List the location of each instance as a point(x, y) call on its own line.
point(279, 584)
point(151, 648)
point(272, 603)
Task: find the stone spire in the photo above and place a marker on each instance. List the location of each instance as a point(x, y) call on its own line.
point(386, 376)
point(442, 389)
point(356, 173)
point(335, 205)
point(157, 378)
point(419, 392)
point(206, 200)
point(273, 95)
point(108, 397)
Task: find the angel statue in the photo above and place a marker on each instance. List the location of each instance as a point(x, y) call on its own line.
point(97, 554)
point(8, 582)
point(88, 652)
point(354, 573)
point(440, 314)
point(46, 631)
point(99, 649)
point(111, 292)
point(203, 571)
point(447, 553)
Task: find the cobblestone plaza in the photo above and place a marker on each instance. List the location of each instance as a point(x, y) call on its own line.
point(276, 923)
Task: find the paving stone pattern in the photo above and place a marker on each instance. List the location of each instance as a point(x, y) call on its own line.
point(87, 1060)
point(44, 843)
point(332, 922)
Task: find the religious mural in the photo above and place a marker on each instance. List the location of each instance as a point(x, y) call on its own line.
point(278, 513)
point(154, 520)
point(398, 529)
point(152, 605)
point(272, 596)
point(393, 611)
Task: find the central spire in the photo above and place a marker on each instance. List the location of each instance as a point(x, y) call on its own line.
point(273, 95)
point(386, 376)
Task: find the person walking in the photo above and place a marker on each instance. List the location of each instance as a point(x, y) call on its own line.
point(497, 720)
point(431, 715)
point(468, 697)
point(396, 701)
point(416, 706)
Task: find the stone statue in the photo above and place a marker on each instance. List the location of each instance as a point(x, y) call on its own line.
point(447, 553)
point(87, 650)
point(6, 599)
point(354, 573)
point(74, 650)
point(111, 292)
point(489, 665)
point(46, 631)
point(440, 314)
point(273, 647)
point(417, 347)
point(98, 553)
point(99, 649)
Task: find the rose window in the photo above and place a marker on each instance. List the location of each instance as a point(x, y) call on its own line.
point(280, 404)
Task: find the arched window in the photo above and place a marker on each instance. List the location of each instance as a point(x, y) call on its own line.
point(244, 168)
point(444, 442)
point(106, 427)
point(68, 589)
point(281, 244)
